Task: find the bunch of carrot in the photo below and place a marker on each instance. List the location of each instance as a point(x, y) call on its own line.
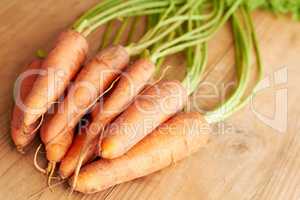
point(136, 125)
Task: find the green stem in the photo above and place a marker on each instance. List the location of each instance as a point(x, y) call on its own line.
point(161, 60)
point(244, 101)
point(121, 31)
point(138, 48)
point(106, 35)
point(244, 45)
point(197, 60)
point(123, 9)
point(153, 28)
point(197, 38)
point(241, 46)
point(132, 29)
point(104, 5)
point(203, 30)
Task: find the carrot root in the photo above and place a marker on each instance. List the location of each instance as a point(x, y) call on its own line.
point(38, 126)
point(20, 149)
point(35, 162)
point(84, 150)
point(50, 172)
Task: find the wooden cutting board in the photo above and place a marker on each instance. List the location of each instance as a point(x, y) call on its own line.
point(254, 155)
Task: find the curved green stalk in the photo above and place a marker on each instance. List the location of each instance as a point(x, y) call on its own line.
point(242, 70)
point(196, 59)
point(160, 61)
point(174, 45)
point(243, 42)
point(152, 31)
point(121, 31)
point(103, 5)
point(121, 13)
point(246, 99)
point(136, 49)
point(201, 27)
point(202, 37)
point(132, 29)
point(106, 35)
point(97, 16)
point(195, 72)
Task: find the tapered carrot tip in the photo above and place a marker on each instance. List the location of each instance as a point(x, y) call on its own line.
point(108, 149)
point(63, 177)
point(20, 149)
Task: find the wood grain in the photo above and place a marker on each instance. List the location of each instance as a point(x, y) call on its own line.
point(247, 159)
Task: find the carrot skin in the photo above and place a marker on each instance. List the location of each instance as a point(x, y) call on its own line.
point(131, 83)
point(154, 106)
point(19, 137)
point(58, 147)
point(92, 81)
point(176, 139)
point(69, 162)
point(95, 110)
point(60, 66)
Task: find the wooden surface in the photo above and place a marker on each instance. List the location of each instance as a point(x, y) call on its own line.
point(247, 159)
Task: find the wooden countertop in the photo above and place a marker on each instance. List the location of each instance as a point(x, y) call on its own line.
point(255, 155)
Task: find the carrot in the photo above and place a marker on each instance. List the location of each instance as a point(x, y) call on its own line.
point(140, 161)
point(173, 141)
point(132, 81)
point(56, 148)
point(69, 162)
point(19, 137)
point(129, 85)
point(155, 105)
point(95, 110)
point(60, 66)
point(92, 81)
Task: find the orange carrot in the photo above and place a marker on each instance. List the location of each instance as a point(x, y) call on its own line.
point(59, 67)
point(155, 105)
point(95, 110)
point(56, 148)
point(20, 138)
point(70, 161)
point(92, 81)
point(173, 141)
point(131, 82)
